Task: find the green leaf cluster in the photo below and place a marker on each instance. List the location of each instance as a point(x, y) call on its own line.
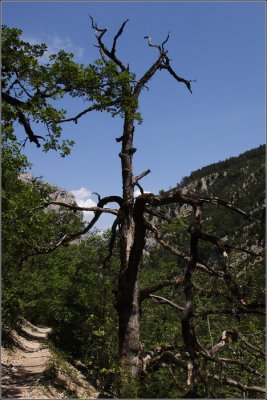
point(36, 86)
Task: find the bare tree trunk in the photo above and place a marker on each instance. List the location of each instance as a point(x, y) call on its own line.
point(130, 239)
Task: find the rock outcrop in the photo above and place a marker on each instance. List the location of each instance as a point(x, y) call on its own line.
point(56, 193)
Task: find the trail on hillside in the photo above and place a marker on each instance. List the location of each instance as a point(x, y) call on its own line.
point(30, 370)
point(23, 367)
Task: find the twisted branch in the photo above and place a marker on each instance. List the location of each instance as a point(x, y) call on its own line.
point(110, 54)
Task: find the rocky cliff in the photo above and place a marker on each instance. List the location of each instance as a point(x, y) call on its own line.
point(239, 180)
point(55, 193)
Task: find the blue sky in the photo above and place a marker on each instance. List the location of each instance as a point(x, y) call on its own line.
point(221, 44)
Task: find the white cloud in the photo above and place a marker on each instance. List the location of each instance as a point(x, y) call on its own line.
point(82, 197)
point(81, 194)
point(54, 44)
point(137, 192)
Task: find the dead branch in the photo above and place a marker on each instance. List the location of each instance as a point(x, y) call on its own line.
point(142, 175)
point(99, 30)
point(140, 187)
point(74, 207)
point(196, 234)
point(119, 139)
point(244, 366)
point(186, 197)
point(188, 329)
point(163, 300)
point(234, 312)
point(69, 238)
point(249, 346)
point(223, 361)
point(112, 241)
point(165, 355)
point(178, 253)
point(173, 196)
point(110, 54)
point(113, 50)
point(147, 76)
point(196, 314)
point(146, 292)
point(216, 200)
point(154, 359)
point(234, 383)
point(177, 383)
point(149, 41)
point(166, 65)
point(222, 341)
point(164, 244)
point(224, 246)
point(159, 47)
point(78, 208)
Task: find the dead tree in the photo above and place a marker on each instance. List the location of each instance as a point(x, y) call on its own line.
point(132, 228)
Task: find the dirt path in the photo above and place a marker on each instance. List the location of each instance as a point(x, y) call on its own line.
point(31, 370)
point(23, 367)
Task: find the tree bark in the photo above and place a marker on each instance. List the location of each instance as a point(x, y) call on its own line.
point(132, 234)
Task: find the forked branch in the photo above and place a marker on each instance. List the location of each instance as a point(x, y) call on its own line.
point(159, 47)
point(99, 33)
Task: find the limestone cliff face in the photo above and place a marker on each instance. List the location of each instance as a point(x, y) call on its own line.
point(62, 196)
point(238, 180)
point(56, 193)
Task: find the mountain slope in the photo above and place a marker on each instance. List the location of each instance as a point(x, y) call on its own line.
point(238, 180)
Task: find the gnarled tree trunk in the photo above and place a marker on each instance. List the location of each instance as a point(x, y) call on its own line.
point(131, 246)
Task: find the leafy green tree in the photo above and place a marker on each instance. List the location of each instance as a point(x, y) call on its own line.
point(32, 89)
point(25, 233)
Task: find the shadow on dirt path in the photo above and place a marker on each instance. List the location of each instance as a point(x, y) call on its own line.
point(23, 368)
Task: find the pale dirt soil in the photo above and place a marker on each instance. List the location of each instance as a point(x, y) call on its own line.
point(24, 367)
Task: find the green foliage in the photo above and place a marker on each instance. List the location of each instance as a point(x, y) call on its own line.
point(31, 85)
point(72, 293)
point(24, 231)
point(35, 89)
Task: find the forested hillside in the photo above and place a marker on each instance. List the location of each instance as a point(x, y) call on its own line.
point(239, 181)
point(73, 289)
